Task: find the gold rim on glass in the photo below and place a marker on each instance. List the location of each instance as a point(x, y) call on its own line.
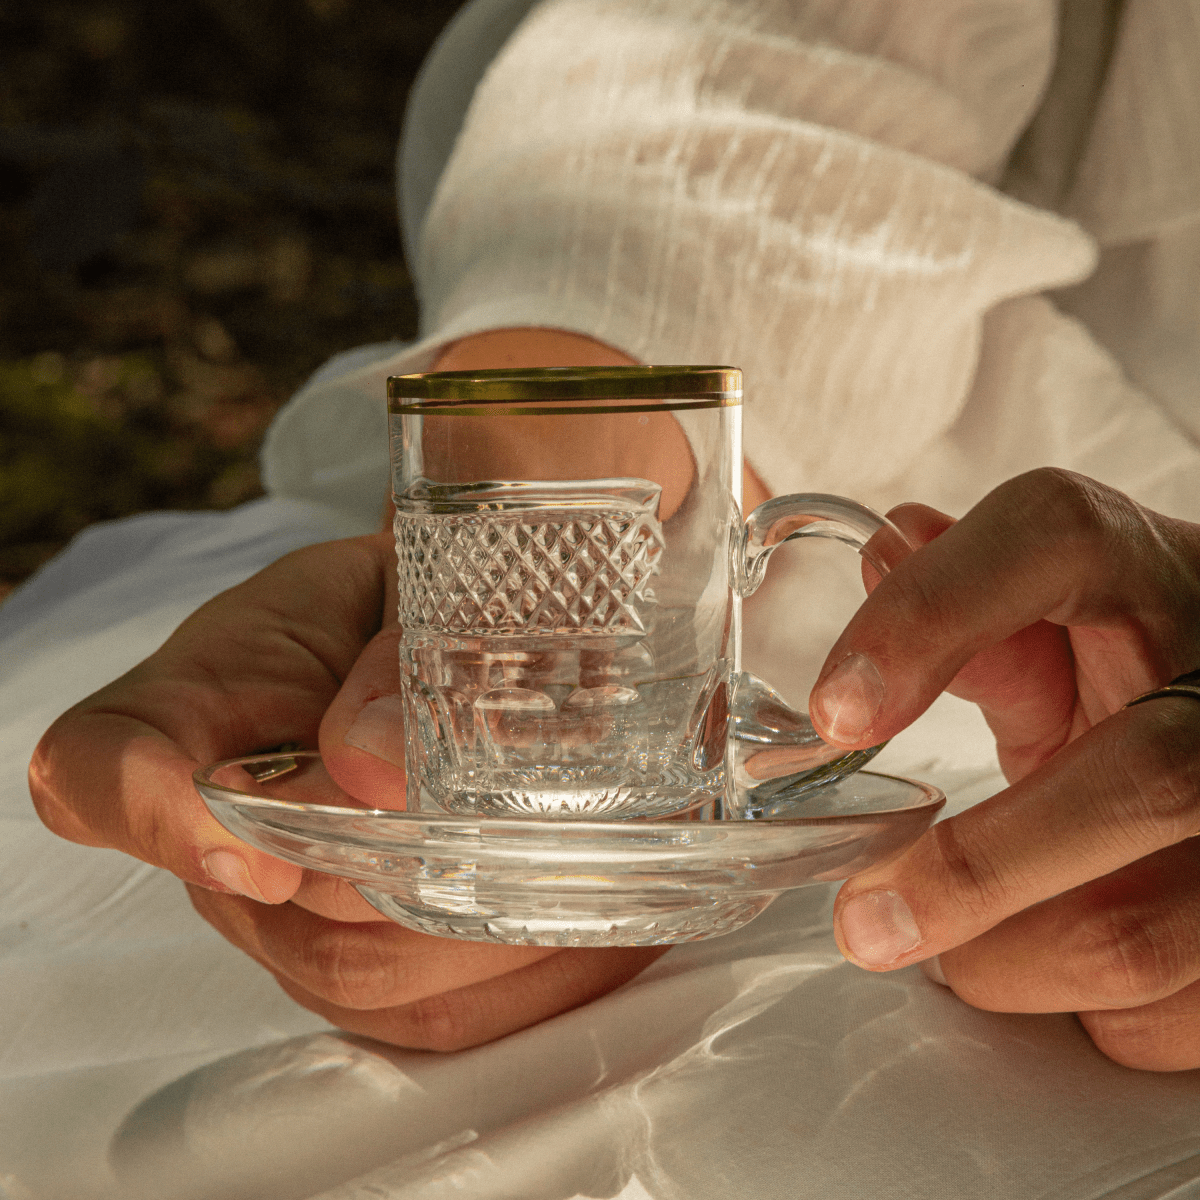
point(564, 389)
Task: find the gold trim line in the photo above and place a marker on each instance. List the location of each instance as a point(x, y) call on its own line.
point(657, 387)
point(492, 408)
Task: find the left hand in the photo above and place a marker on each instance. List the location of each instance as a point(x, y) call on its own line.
point(1077, 889)
point(298, 653)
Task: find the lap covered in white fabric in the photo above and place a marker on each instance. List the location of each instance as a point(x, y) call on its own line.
point(808, 192)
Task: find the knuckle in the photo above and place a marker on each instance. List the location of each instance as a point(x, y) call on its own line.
point(1142, 1039)
point(915, 592)
point(1076, 501)
point(1124, 961)
point(46, 802)
point(978, 885)
point(441, 1023)
point(51, 806)
point(151, 836)
point(920, 608)
point(1090, 519)
point(348, 967)
point(1158, 764)
point(51, 811)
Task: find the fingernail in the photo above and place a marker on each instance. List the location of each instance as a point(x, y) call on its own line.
point(379, 729)
point(230, 871)
point(877, 928)
point(846, 701)
point(932, 968)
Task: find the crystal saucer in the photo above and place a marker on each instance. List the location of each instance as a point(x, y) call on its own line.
point(526, 881)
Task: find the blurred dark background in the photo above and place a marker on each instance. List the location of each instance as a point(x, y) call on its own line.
point(196, 210)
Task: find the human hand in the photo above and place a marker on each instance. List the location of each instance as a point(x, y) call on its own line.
point(305, 651)
point(1077, 889)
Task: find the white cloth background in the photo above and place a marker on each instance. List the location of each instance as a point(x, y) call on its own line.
point(826, 194)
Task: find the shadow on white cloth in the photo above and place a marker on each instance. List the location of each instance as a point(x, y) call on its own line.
point(141, 1055)
point(109, 984)
point(759, 1064)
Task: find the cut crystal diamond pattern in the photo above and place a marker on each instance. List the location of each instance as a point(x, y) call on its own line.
point(568, 570)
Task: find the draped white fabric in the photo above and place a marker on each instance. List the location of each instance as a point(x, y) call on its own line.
point(826, 194)
point(799, 190)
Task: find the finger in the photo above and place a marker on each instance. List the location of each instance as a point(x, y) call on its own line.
point(1121, 791)
point(1123, 941)
point(362, 732)
point(357, 965)
point(919, 523)
point(254, 667)
point(482, 1012)
point(333, 897)
point(1024, 685)
point(1049, 545)
point(103, 779)
point(260, 663)
point(1162, 1036)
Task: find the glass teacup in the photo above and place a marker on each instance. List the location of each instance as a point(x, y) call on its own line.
point(571, 561)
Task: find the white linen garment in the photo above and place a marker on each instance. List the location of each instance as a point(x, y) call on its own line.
point(871, 206)
point(812, 192)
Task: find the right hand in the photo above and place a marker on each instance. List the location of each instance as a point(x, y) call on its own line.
point(1052, 603)
point(297, 653)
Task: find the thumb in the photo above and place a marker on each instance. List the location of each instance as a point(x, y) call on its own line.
point(362, 732)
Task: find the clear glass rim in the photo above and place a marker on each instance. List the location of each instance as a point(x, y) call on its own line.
point(565, 390)
point(934, 798)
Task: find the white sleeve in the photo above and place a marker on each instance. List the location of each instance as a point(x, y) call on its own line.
point(795, 190)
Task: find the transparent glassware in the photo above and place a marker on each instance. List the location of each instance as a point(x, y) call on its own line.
point(572, 559)
point(544, 881)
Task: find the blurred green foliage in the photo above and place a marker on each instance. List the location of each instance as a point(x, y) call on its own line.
point(68, 458)
point(196, 210)
point(52, 495)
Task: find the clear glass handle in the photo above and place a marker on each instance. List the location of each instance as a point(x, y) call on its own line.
point(813, 515)
point(779, 757)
